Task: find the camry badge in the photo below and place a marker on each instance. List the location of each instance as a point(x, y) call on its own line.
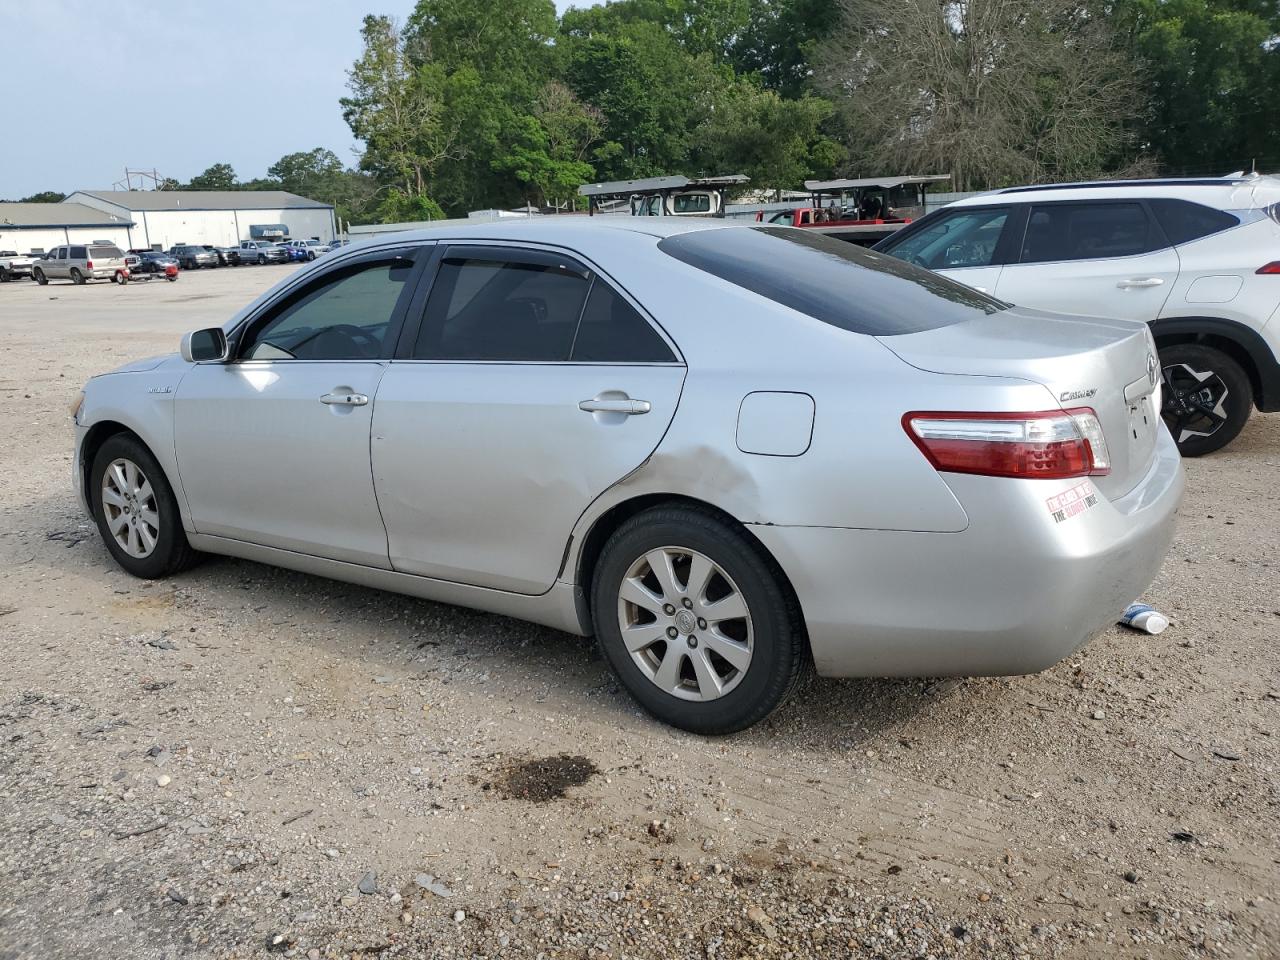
point(1068, 395)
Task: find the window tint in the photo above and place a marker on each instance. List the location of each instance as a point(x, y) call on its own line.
point(106, 253)
point(78, 253)
point(1088, 231)
point(692, 203)
point(966, 238)
point(1184, 221)
point(612, 332)
point(62, 253)
point(831, 280)
point(497, 309)
point(343, 315)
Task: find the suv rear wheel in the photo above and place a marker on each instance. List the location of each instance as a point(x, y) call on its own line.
point(694, 620)
point(1207, 397)
point(76, 276)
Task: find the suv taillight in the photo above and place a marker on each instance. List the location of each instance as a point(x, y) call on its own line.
point(1048, 445)
point(88, 265)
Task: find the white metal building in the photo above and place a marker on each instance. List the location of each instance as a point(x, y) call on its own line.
point(38, 227)
point(163, 218)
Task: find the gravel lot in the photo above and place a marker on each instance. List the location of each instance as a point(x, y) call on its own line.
point(244, 760)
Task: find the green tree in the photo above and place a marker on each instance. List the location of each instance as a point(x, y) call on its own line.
point(218, 177)
point(1213, 71)
point(549, 154)
point(45, 196)
point(779, 40)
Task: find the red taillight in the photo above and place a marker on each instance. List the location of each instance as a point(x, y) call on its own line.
point(1272, 268)
point(1047, 445)
point(89, 265)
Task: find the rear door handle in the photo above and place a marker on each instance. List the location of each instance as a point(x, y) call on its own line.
point(345, 399)
point(1140, 282)
point(629, 407)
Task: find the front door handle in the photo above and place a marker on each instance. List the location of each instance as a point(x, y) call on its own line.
point(345, 399)
point(1140, 282)
point(627, 406)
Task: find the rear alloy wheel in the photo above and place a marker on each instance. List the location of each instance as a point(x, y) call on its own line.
point(76, 276)
point(692, 617)
point(1207, 397)
point(136, 511)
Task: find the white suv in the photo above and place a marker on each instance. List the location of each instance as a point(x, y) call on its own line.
point(1199, 260)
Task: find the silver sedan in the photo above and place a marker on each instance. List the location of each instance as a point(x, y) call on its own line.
point(726, 451)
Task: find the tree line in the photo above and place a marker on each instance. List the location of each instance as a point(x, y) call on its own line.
point(474, 104)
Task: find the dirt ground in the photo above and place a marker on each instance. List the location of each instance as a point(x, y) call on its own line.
point(244, 760)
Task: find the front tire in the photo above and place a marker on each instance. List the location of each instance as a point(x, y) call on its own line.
point(136, 511)
point(694, 618)
point(40, 277)
point(1207, 397)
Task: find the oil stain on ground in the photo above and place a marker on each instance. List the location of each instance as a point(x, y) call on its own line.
point(541, 779)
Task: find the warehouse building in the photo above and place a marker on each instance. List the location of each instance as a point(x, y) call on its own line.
point(163, 218)
point(37, 227)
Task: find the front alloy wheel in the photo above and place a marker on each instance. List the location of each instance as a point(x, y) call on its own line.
point(129, 503)
point(1207, 398)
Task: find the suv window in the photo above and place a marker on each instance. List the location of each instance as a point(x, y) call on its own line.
point(105, 253)
point(1088, 231)
point(611, 331)
point(965, 238)
point(488, 308)
point(1184, 221)
point(830, 280)
point(343, 315)
point(78, 253)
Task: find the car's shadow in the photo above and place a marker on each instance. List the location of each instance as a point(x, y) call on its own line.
point(525, 661)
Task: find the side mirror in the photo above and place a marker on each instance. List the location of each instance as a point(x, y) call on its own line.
point(204, 346)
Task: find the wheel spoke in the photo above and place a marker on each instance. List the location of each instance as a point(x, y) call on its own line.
point(709, 683)
point(731, 607)
point(132, 545)
point(150, 518)
point(109, 495)
point(147, 537)
point(144, 492)
point(118, 478)
point(633, 591)
point(117, 522)
point(700, 572)
point(668, 674)
point(737, 654)
point(131, 477)
point(642, 637)
point(660, 562)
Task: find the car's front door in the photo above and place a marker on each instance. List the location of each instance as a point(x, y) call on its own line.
point(273, 447)
point(56, 266)
point(961, 244)
point(530, 387)
point(1103, 258)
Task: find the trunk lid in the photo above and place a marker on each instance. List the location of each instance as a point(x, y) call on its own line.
point(1109, 366)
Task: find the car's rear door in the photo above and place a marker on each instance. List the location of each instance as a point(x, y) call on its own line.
point(1098, 258)
point(530, 386)
point(273, 447)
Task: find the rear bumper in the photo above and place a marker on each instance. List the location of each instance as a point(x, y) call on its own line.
point(1013, 593)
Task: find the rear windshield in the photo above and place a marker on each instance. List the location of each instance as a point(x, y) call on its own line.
point(832, 280)
point(105, 253)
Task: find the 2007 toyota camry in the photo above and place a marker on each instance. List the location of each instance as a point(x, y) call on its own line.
point(724, 450)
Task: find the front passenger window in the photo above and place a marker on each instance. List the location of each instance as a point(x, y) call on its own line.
point(344, 315)
point(966, 238)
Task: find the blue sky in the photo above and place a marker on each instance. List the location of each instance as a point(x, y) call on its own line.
point(174, 86)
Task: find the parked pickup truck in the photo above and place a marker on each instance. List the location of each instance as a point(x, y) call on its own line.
point(14, 267)
point(261, 251)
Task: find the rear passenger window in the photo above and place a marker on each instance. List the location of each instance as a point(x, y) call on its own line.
point(1088, 231)
point(613, 332)
point(1184, 221)
point(78, 253)
point(486, 308)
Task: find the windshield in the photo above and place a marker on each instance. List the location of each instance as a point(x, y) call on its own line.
point(831, 280)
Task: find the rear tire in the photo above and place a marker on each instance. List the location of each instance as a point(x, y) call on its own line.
point(77, 277)
point(730, 671)
point(40, 278)
point(1207, 397)
point(136, 511)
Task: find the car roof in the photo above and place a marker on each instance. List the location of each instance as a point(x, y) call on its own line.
point(1226, 193)
point(566, 228)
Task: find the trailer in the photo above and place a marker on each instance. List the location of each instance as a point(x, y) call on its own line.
point(862, 211)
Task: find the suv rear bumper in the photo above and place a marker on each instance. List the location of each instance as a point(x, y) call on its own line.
point(1013, 593)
